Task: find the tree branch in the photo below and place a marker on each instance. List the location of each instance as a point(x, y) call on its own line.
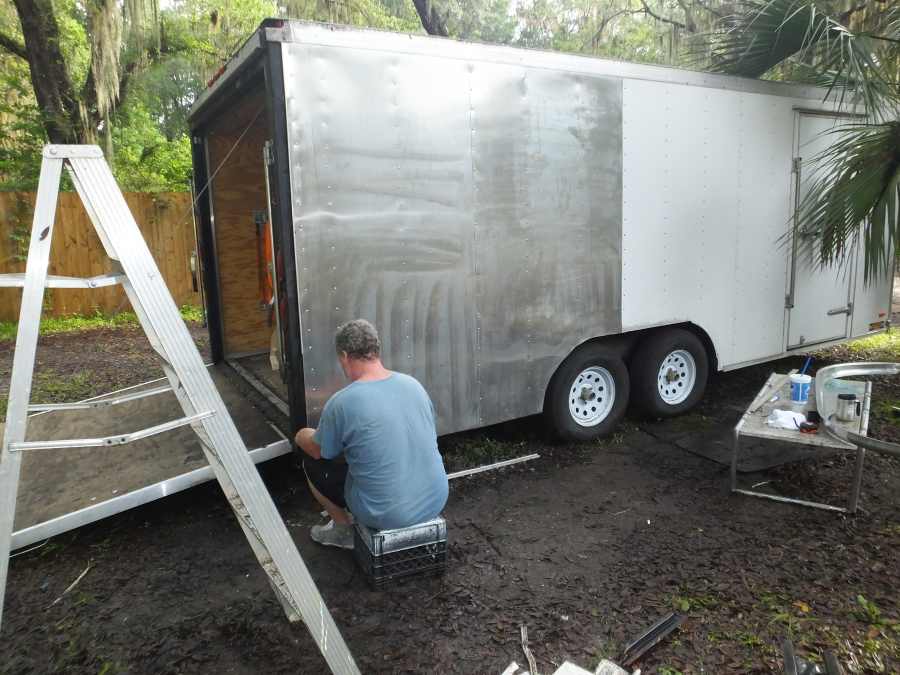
point(13, 46)
point(595, 38)
point(432, 21)
point(656, 16)
point(710, 9)
point(845, 17)
point(690, 24)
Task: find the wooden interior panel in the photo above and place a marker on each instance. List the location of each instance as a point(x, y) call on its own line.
point(238, 190)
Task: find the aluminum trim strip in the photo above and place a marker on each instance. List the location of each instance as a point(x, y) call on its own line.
point(491, 467)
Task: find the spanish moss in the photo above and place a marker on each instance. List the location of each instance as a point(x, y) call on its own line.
point(105, 20)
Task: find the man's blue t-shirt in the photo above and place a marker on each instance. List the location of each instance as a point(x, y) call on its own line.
point(386, 431)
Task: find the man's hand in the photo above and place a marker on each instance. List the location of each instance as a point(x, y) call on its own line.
point(305, 441)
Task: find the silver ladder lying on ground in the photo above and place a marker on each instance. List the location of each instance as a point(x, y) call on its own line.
point(189, 380)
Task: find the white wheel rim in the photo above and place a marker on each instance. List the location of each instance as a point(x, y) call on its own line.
point(591, 396)
point(677, 376)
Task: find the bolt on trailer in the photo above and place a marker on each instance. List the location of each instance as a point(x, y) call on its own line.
point(529, 231)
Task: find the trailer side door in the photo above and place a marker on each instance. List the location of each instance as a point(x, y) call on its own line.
point(818, 298)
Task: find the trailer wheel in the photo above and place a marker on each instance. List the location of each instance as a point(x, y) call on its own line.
point(669, 370)
point(588, 395)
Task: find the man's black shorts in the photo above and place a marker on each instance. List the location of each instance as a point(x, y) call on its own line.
point(328, 477)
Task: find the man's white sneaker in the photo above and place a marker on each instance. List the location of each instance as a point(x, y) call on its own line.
point(333, 534)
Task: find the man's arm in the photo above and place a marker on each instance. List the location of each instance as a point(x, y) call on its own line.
point(306, 441)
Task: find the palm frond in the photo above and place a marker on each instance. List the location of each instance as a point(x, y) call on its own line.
point(766, 33)
point(857, 182)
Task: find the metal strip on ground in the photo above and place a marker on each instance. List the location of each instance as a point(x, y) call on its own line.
point(491, 467)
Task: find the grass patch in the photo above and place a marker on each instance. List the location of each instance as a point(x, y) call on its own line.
point(52, 388)
point(77, 322)
point(472, 452)
point(879, 347)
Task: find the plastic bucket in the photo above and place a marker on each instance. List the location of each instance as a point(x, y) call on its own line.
point(800, 388)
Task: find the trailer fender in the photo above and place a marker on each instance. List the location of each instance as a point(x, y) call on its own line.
point(623, 346)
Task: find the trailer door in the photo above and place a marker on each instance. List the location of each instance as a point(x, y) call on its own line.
point(818, 299)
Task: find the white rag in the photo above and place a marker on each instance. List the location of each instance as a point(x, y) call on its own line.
point(785, 419)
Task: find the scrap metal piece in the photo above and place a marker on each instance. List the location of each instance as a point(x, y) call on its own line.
point(532, 664)
point(841, 370)
point(606, 667)
point(491, 467)
point(832, 665)
point(651, 637)
point(797, 665)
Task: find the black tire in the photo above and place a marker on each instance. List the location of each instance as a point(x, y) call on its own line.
point(560, 392)
point(647, 361)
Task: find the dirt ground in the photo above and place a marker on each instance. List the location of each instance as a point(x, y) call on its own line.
point(586, 546)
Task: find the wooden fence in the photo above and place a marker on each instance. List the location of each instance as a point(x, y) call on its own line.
point(165, 221)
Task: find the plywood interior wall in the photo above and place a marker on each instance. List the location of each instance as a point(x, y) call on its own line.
point(238, 190)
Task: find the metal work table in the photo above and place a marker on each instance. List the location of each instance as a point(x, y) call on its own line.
point(753, 424)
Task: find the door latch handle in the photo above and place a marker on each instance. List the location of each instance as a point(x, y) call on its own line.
point(841, 310)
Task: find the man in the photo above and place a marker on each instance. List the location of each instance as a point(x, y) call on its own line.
point(382, 424)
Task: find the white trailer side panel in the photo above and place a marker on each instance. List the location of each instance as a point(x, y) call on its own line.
point(706, 201)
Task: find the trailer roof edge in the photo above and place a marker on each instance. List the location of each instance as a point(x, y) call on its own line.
point(313, 33)
point(216, 93)
point(310, 32)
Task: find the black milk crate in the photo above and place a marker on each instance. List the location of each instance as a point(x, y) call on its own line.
point(388, 555)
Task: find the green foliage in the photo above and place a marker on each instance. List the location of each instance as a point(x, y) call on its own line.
point(768, 33)
point(76, 44)
point(475, 451)
point(669, 670)
point(867, 611)
point(65, 324)
point(145, 160)
point(192, 313)
point(855, 54)
point(50, 387)
point(151, 149)
point(859, 181)
point(21, 127)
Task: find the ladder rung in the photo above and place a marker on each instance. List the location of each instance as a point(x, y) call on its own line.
point(109, 440)
point(88, 405)
point(18, 281)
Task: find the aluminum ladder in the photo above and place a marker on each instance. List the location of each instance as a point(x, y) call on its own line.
point(134, 268)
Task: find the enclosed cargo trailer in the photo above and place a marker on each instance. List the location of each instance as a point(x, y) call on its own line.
point(529, 231)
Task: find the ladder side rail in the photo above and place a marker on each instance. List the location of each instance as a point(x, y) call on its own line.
point(259, 547)
point(260, 550)
point(108, 208)
point(26, 347)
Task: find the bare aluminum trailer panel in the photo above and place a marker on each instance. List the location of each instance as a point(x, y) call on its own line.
point(64, 489)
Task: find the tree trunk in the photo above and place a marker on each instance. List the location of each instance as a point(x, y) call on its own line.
point(56, 98)
point(432, 21)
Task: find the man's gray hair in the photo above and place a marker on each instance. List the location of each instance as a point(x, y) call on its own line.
point(358, 339)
